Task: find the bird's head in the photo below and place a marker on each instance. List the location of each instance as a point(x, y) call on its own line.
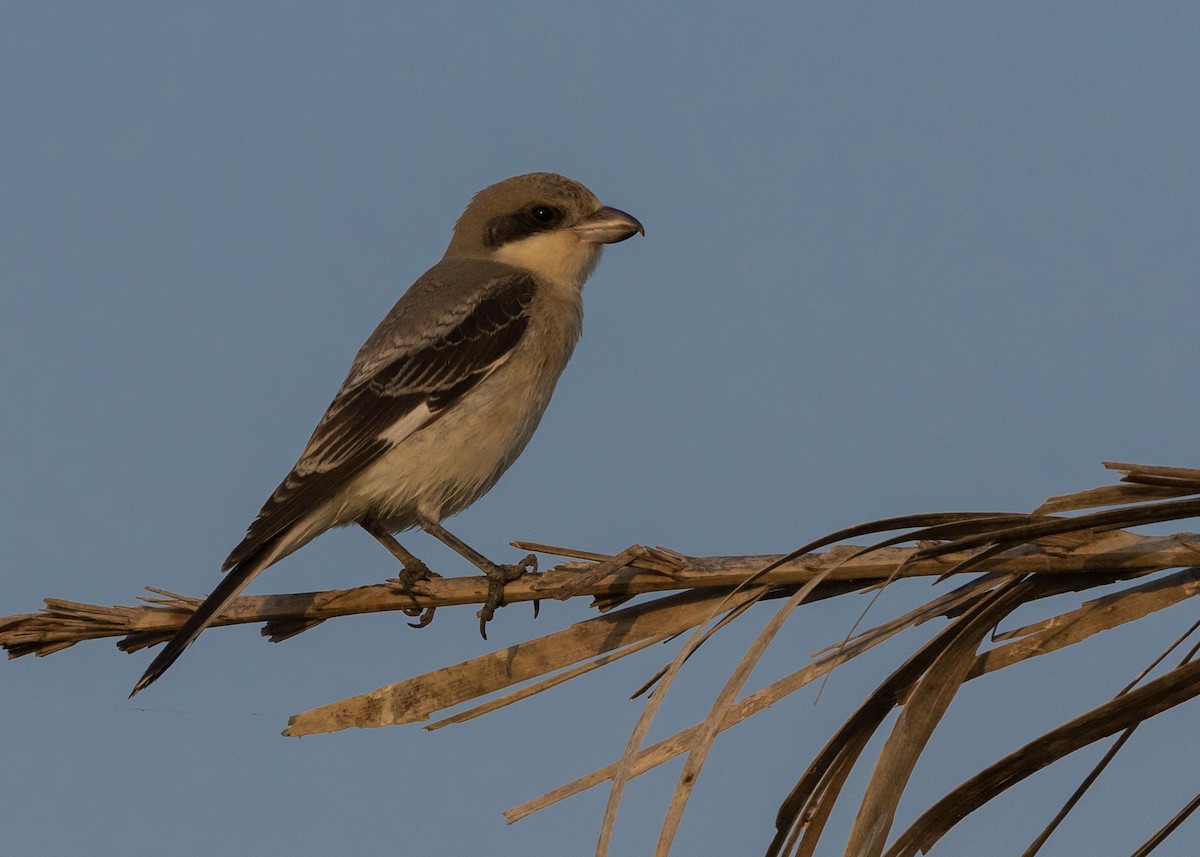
point(542, 222)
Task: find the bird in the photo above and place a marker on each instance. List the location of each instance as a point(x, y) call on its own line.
point(443, 395)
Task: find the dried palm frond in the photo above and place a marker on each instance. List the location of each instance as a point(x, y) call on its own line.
point(1002, 561)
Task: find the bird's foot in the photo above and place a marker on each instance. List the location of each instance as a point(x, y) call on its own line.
point(497, 577)
point(413, 571)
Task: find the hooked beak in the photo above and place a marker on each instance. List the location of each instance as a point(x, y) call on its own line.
point(607, 226)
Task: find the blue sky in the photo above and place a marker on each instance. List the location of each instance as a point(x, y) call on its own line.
point(899, 258)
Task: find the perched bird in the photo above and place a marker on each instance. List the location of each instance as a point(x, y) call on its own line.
point(446, 392)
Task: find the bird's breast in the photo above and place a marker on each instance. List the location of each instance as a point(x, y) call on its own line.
point(455, 459)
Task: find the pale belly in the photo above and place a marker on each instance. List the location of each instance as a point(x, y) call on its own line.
point(456, 459)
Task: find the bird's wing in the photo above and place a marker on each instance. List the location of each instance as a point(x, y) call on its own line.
point(432, 356)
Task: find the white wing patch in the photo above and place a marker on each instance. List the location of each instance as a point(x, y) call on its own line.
point(413, 421)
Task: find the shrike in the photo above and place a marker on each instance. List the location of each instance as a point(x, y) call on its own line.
point(446, 392)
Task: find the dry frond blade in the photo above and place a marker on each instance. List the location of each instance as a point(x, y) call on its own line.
point(854, 733)
point(278, 630)
point(1174, 688)
point(1167, 829)
point(871, 713)
point(1131, 516)
point(625, 770)
point(545, 684)
point(679, 743)
point(1141, 483)
point(711, 725)
point(416, 698)
point(1107, 495)
point(1103, 614)
point(885, 525)
point(923, 710)
point(1184, 477)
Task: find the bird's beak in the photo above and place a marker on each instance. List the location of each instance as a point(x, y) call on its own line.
point(607, 226)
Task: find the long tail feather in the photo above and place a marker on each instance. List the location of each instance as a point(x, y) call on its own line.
point(235, 580)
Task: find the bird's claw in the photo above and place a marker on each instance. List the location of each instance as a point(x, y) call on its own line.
point(497, 578)
point(426, 616)
point(411, 573)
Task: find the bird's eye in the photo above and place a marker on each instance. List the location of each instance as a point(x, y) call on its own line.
point(544, 215)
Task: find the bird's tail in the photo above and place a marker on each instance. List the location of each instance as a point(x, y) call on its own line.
point(235, 580)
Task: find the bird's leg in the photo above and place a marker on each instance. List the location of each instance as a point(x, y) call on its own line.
point(497, 575)
point(413, 569)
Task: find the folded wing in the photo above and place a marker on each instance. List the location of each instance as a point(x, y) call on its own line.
point(400, 396)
